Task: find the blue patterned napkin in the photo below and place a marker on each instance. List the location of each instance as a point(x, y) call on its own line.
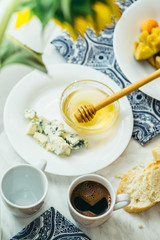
point(97, 52)
point(49, 226)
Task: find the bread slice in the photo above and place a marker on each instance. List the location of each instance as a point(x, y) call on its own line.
point(143, 187)
point(156, 152)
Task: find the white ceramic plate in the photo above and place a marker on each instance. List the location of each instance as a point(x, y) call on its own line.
point(126, 32)
point(42, 93)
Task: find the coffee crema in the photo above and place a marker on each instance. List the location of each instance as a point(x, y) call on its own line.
point(91, 198)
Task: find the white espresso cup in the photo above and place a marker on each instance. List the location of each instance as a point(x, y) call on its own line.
point(23, 189)
point(117, 201)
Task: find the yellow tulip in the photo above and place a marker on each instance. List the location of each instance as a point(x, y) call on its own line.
point(82, 23)
point(116, 11)
point(104, 13)
point(22, 17)
point(67, 27)
point(103, 16)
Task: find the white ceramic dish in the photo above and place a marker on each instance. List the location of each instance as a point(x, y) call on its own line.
point(126, 32)
point(42, 93)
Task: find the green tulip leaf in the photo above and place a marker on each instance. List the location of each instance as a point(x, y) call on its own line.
point(6, 12)
point(12, 52)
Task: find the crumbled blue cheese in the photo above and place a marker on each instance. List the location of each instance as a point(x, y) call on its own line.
point(52, 135)
point(74, 140)
point(32, 128)
point(54, 129)
point(59, 146)
point(40, 138)
point(30, 114)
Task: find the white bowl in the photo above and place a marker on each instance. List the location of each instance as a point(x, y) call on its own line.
point(126, 32)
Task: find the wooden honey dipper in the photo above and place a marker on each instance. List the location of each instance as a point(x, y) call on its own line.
point(86, 113)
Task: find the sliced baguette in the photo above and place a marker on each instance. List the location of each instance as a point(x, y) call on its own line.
point(143, 187)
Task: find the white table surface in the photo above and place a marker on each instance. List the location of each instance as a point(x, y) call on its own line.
point(122, 225)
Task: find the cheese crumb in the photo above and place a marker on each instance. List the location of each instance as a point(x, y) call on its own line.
point(29, 114)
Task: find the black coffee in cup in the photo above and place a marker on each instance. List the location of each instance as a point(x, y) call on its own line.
point(91, 198)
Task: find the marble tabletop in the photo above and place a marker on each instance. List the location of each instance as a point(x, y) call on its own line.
point(121, 225)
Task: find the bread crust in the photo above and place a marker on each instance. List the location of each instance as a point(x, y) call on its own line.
point(152, 165)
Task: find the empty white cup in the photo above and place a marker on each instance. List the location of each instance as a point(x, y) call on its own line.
point(23, 189)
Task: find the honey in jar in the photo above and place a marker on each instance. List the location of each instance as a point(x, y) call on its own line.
point(103, 118)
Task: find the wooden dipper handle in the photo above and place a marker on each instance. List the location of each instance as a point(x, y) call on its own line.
point(127, 90)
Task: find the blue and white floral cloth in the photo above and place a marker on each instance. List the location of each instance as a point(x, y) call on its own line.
point(51, 225)
point(97, 52)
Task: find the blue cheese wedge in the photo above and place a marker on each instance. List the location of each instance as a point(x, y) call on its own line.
point(40, 138)
point(52, 135)
point(59, 146)
point(32, 128)
point(74, 140)
point(54, 129)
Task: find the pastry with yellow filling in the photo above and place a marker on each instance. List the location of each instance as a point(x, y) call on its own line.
point(148, 45)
